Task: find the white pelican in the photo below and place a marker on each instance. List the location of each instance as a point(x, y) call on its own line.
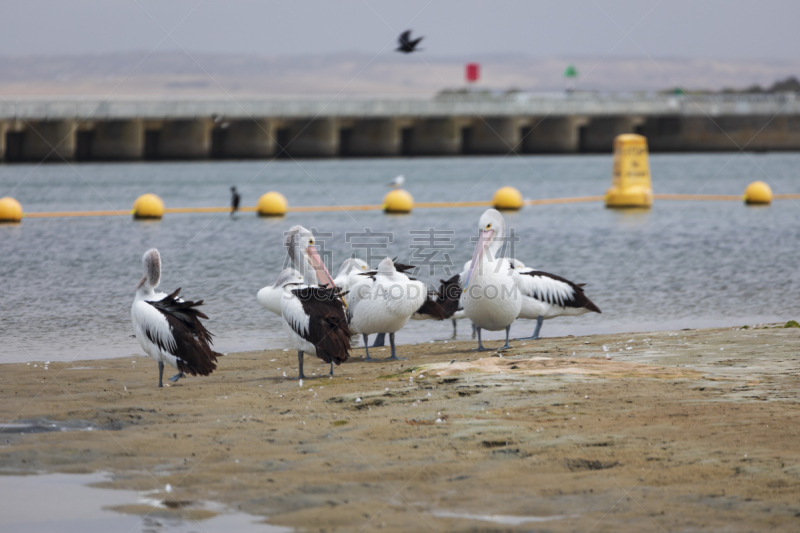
point(313, 317)
point(383, 302)
point(436, 306)
point(348, 272)
point(397, 182)
point(546, 295)
point(168, 328)
point(491, 297)
point(270, 296)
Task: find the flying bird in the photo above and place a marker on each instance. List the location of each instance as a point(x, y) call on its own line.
point(406, 44)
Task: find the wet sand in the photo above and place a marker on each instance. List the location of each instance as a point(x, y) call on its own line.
point(686, 430)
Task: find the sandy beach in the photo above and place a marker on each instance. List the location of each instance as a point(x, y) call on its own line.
point(681, 430)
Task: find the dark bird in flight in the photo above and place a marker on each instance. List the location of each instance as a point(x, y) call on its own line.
point(406, 44)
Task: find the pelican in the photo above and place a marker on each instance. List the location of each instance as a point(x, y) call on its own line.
point(313, 316)
point(397, 182)
point(383, 302)
point(168, 328)
point(491, 297)
point(348, 272)
point(546, 295)
point(270, 297)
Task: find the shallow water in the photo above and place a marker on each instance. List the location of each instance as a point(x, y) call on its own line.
point(68, 283)
point(67, 503)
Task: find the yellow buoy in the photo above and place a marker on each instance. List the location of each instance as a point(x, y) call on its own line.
point(272, 204)
point(630, 181)
point(758, 192)
point(398, 201)
point(148, 206)
point(10, 210)
point(507, 199)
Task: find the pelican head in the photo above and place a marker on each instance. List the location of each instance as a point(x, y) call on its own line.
point(151, 263)
point(300, 245)
point(386, 267)
point(353, 264)
point(286, 277)
point(491, 230)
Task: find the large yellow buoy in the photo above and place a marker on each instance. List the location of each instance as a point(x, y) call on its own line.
point(148, 206)
point(507, 199)
point(398, 201)
point(272, 204)
point(758, 192)
point(630, 180)
point(10, 210)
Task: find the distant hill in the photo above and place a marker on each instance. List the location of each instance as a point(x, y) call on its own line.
point(422, 75)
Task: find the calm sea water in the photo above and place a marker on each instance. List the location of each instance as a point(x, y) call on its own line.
point(67, 284)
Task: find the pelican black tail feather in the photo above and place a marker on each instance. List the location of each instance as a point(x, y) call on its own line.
point(192, 340)
point(432, 308)
point(449, 296)
point(327, 326)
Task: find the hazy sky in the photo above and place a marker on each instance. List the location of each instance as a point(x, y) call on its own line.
point(670, 28)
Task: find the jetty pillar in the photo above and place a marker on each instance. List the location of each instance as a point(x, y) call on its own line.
point(115, 140)
point(553, 135)
point(499, 135)
point(244, 139)
point(436, 136)
point(373, 137)
point(312, 138)
point(184, 139)
point(598, 136)
point(49, 141)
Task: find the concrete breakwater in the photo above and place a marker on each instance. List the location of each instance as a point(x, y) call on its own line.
point(168, 128)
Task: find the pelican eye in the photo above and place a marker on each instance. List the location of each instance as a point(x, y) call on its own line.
point(310, 242)
point(488, 226)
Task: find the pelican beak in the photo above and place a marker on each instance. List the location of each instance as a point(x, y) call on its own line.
point(139, 286)
point(484, 238)
point(316, 263)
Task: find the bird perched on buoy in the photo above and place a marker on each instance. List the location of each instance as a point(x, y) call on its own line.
point(546, 296)
point(406, 44)
point(313, 315)
point(383, 302)
point(491, 297)
point(169, 328)
point(397, 182)
point(270, 297)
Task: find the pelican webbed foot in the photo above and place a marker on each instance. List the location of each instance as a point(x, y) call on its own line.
point(177, 376)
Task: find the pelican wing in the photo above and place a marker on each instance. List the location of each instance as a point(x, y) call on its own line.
point(191, 340)
point(449, 297)
point(327, 326)
point(553, 289)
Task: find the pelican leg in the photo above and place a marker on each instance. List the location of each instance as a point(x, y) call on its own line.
point(455, 329)
point(177, 376)
point(380, 340)
point(535, 335)
point(160, 373)
point(508, 332)
point(300, 363)
point(474, 329)
point(394, 353)
point(331, 368)
point(366, 348)
point(480, 344)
